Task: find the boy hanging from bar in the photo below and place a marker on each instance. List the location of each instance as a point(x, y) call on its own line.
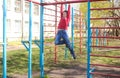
point(62, 36)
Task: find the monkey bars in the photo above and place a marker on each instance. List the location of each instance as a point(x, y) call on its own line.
point(64, 2)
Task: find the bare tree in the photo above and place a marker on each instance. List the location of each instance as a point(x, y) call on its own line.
point(114, 22)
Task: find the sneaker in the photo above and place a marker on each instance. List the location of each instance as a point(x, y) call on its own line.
point(73, 54)
point(74, 57)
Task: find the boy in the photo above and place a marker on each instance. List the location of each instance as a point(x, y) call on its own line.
point(62, 36)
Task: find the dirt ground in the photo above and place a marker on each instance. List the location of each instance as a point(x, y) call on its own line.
point(70, 72)
point(75, 71)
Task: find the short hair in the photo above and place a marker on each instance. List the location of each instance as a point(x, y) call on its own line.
point(65, 11)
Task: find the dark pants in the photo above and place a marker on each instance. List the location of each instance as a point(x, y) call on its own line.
point(62, 38)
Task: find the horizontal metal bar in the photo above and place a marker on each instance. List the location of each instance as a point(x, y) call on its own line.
point(104, 74)
point(105, 65)
point(25, 41)
point(105, 18)
point(112, 37)
point(35, 2)
point(118, 47)
point(63, 2)
point(73, 1)
point(98, 55)
point(105, 27)
point(105, 8)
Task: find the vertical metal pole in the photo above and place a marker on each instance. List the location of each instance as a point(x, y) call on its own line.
point(55, 59)
point(88, 41)
point(66, 53)
point(41, 41)
point(30, 43)
point(72, 28)
point(96, 36)
point(4, 40)
point(65, 6)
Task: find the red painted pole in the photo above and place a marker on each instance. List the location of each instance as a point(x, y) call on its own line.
point(55, 57)
point(93, 33)
point(117, 47)
point(104, 74)
point(99, 55)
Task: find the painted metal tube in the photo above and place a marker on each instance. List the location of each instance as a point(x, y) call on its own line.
point(72, 1)
point(55, 57)
point(4, 39)
point(66, 53)
point(72, 27)
point(64, 2)
point(97, 40)
point(88, 41)
point(30, 43)
point(41, 41)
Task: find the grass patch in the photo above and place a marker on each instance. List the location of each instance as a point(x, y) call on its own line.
point(17, 60)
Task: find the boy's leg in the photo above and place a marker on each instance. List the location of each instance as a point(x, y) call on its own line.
point(58, 38)
point(67, 42)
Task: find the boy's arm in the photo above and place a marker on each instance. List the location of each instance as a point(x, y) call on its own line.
point(61, 10)
point(68, 15)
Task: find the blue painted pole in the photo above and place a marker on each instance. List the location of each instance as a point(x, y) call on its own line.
point(72, 27)
point(66, 7)
point(41, 41)
point(66, 53)
point(88, 41)
point(30, 43)
point(4, 40)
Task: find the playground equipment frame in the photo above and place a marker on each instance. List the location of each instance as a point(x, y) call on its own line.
point(42, 36)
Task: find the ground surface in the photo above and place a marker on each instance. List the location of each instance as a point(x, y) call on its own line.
point(74, 70)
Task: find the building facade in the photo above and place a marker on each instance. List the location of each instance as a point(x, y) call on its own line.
point(18, 20)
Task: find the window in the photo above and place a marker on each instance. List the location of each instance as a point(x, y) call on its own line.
point(8, 4)
point(26, 7)
point(36, 9)
point(18, 6)
point(8, 25)
point(26, 27)
point(18, 26)
point(36, 27)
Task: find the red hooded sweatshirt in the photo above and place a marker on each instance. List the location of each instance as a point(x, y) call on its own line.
point(64, 22)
